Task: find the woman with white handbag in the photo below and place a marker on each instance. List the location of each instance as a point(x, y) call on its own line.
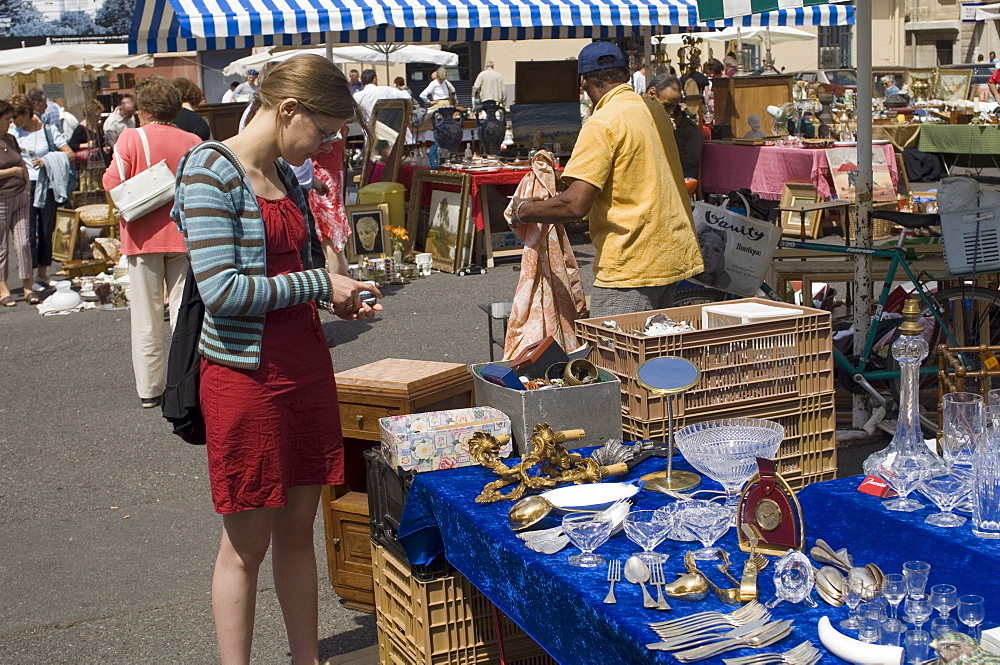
point(157, 255)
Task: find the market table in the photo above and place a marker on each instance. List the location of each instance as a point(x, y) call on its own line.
point(561, 607)
point(766, 169)
point(902, 136)
point(976, 146)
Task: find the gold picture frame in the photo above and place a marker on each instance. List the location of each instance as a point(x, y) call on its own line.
point(792, 223)
point(367, 241)
point(64, 234)
point(441, 225)
point(952, 85)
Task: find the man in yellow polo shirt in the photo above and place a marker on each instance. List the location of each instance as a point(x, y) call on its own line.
point(625, 173)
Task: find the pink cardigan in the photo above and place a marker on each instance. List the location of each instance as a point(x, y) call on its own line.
point(155, 232)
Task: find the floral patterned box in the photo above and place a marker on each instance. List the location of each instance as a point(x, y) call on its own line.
point(439, 439)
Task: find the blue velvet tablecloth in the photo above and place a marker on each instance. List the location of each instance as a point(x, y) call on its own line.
point(560, 606)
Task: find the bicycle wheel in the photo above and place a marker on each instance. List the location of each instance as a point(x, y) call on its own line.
point(972, 317)
point(701, 295)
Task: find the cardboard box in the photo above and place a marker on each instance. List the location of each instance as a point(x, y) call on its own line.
point(439, 439)
point(595, 408)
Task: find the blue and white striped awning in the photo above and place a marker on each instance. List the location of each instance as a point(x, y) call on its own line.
point(194, 25)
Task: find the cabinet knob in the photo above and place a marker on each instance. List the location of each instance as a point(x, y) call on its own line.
point(361, 421)
point(336, 543)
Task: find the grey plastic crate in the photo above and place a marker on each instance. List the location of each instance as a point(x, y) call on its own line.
point(595, 408)
point(971, 240)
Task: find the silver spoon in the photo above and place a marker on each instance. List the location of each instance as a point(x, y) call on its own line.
point(637, 572)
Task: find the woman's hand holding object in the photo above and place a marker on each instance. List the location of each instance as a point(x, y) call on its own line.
point(346, 301)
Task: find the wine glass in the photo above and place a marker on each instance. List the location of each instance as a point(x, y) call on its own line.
point(971, 612)
point(903, 473)
point(918, 646)
point(894, 590)
point(918, 609)
point(943, 625)
point(647, 531)
point(707, 521)
point(946, 492)
point(915, 573)
point(852, 598)
point(944, 598)
point(588, 531)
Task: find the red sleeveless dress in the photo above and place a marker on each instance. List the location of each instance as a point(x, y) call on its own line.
point(277, 426)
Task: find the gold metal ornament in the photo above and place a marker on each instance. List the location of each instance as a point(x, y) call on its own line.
point(548, 464)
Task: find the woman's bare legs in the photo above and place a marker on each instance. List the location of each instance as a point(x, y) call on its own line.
point(293, 558)
point(245, 539)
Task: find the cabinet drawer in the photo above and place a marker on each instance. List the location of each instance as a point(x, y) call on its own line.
point(361, 420)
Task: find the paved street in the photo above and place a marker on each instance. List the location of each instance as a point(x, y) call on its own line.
point(108, 532)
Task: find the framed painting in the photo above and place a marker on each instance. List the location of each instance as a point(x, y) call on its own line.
point(952, 85)
point(439, 221)
point(799, 224)
point(64, 235)
point(369, 238)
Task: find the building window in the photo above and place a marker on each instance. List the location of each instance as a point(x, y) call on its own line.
point(945, 51)
point(835, 47)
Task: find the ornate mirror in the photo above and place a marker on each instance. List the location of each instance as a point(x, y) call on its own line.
point(390, 119)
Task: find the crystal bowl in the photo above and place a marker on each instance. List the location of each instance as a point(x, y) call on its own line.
point(726, 450)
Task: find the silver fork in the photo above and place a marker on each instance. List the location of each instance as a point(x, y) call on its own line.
point(658, 581)
point(766, 636)
point(803, 654)
point(707, 621)
point(614, 575)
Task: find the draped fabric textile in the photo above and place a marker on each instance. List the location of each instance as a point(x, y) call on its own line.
point(331, 218)
point(549, 296)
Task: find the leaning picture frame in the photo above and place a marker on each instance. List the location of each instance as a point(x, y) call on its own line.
point(794, 223)
point(369, 237)
point(64, 234)
point(950, 86)
point(439, 220)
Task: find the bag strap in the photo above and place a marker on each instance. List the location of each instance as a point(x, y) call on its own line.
point(145, 146)
point(48, 138)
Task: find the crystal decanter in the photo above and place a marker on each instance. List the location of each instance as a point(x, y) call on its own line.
point(907, 451)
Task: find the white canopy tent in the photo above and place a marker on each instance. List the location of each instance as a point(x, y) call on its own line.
point(754, 35)
point(380, 54)
point(93, 57)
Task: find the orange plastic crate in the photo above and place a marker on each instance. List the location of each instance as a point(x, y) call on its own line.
point(754, 362)
point(443, 621)
point(807, 455)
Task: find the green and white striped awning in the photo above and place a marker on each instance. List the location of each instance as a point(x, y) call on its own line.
point(716, 10)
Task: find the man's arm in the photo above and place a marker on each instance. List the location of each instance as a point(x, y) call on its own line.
point(572, 204)
point(993, 91)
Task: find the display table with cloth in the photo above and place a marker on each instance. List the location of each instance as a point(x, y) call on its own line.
point(902, 136)
point(765, 169)
point(561, 606)
point(975, 146)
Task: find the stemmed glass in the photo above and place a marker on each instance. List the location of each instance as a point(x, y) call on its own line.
point(894, 590)
point(971, 612)
point(903, 473)
point(943, 625)
point(588, 531)
point(647, 531)
point(946, 492)
point(915, 573)
point(918, 609)
point(964, 425)
point(707, 521)
point(852, 599)
point(944, 598)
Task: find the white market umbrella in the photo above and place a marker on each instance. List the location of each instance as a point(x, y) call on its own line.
point(375, 54)
point(758, 35)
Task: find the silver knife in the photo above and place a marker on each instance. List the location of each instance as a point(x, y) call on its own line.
point(695, 639)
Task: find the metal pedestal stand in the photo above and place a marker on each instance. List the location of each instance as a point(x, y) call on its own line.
point(667, 377)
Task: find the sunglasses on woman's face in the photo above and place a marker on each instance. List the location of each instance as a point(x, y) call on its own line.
point(327, 137)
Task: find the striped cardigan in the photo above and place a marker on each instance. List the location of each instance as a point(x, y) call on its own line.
point(216, 210)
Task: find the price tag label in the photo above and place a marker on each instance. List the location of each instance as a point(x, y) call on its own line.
point(876, 487)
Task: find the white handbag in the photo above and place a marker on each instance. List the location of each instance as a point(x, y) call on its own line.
point(145, 191)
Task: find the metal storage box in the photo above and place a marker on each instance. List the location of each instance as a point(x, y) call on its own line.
point(594, 408)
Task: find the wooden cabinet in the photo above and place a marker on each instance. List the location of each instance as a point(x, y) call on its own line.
point(739, 97)
point(388, 387)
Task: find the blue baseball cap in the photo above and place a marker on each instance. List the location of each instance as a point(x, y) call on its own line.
point(253, 72)
point(592, 53)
